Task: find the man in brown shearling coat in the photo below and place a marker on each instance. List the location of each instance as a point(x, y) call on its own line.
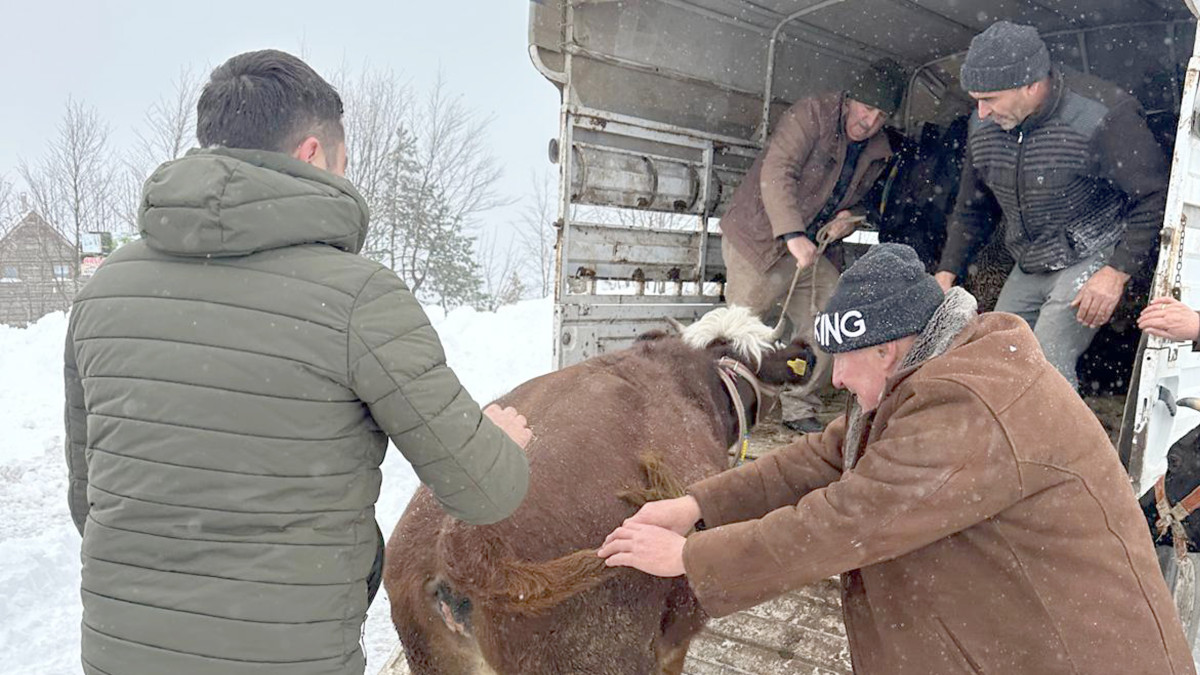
point(971, 502)
point(824, 155)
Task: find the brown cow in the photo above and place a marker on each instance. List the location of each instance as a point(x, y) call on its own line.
point(528, 594)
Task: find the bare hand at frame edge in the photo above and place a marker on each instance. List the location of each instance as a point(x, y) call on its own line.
point(1171, 319)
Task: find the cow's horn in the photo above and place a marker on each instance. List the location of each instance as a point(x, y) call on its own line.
point(1189, 402)
point(675, 324)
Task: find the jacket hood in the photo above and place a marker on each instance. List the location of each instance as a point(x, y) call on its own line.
point(222, 202)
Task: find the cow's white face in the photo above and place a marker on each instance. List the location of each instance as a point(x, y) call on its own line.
point(738, 326)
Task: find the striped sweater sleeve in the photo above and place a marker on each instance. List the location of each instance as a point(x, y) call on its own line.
point(1131, 158)
point(972, 222)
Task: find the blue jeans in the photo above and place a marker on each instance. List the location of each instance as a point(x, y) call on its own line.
point(1044, 301)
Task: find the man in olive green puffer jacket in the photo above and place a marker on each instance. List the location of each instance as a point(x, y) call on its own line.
point(232, 380)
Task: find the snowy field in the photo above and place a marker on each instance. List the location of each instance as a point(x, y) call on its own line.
point(39, 547)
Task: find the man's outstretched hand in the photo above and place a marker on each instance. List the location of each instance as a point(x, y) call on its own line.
point(652, 539)
point(649, 548)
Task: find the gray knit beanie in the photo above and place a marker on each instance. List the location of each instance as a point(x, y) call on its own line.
point(1005, 56)
point(884, 296)
point(880, 85)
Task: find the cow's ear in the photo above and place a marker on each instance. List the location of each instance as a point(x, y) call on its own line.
point(791, 364)
point(652, 335)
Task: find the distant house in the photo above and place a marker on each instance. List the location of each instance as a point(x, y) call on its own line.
point(39, 269)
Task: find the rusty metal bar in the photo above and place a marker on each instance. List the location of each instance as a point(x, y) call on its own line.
point(668, 73)
point(770, 80)
point(660, 131)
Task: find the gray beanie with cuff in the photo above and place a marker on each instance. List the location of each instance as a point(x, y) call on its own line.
point(1005, 56)
point(885, 295)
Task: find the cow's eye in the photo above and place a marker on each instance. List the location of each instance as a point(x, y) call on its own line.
point(1174, 462)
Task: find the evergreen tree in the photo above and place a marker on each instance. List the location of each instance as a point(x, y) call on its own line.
point(443, 266)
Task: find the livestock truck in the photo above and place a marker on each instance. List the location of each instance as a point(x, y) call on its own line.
point(666, 103)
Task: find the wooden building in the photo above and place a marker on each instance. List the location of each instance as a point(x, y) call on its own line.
point(39, 271)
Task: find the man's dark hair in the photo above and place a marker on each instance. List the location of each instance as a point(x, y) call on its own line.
point(268, 100)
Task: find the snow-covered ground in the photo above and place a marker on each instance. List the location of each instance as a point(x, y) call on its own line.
point(39, 547)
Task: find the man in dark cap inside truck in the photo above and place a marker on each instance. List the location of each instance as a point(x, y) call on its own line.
point(1068, 163)
point(822, 159)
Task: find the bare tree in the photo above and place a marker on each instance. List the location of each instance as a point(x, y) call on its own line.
point(169, 125)
point(168, 130)
point(455, 182)
point(381, 153)
point(72, 185)
point(126, 193)
point(499, 266)
point(9, 206)
point(453, 153)
point(537, 234)
point(425, 171)
point(377, 110)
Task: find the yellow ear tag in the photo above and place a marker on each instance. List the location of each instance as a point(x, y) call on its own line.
point(798, 366)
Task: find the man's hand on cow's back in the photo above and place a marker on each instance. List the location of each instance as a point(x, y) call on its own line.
point(678, 515)
point(1099, 296)
point(510, 422)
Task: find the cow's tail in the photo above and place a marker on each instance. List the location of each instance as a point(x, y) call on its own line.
point(515, 586)
point(491, 573)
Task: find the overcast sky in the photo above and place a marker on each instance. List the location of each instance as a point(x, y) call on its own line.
point(122, 55)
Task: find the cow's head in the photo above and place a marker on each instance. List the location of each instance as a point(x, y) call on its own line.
point(1183, 476)
point(735, 332)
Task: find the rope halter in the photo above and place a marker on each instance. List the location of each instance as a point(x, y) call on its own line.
point(1172, 517)
point(728, 369)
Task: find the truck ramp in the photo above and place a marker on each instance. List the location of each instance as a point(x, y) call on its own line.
point(800, 632)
